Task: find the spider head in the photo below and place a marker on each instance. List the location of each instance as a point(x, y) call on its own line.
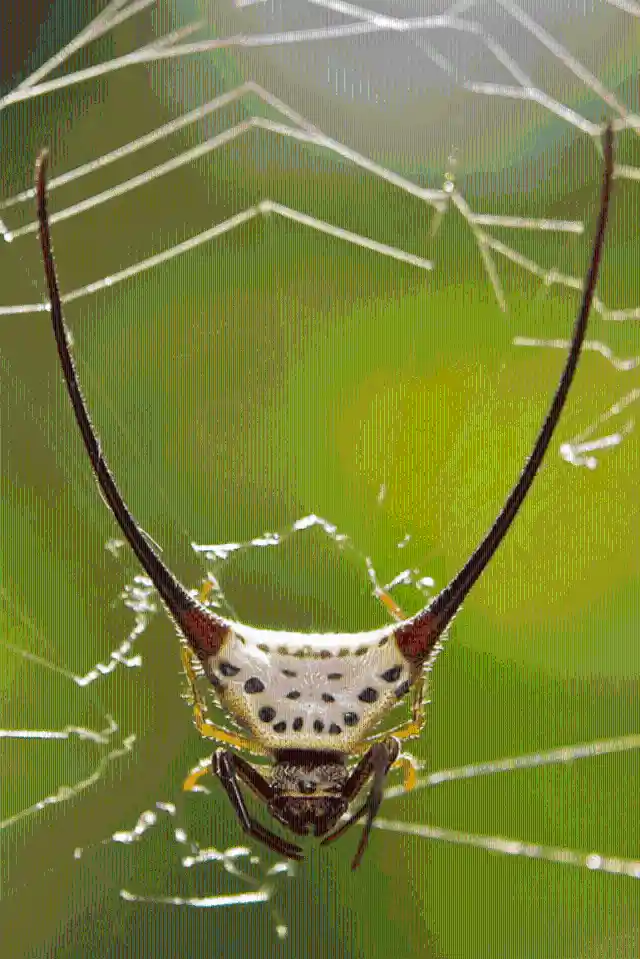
point(308, 790)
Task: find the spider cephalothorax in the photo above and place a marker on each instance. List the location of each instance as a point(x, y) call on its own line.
point(308, 814)
point(308, 788)
point(308, 791)
point(310, 702)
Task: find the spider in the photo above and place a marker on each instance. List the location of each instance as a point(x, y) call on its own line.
point(308, 702)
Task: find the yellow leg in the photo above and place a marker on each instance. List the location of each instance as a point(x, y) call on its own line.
point(409, 767)
point(409, 730)
point(205, 589)
point(405, 761)
point(412, 727)
point(187, 664)
point(204, 727)
point(390, 604)
point(209, 731)
point(191, 782)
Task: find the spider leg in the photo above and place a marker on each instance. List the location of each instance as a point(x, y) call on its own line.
point(245, 771)
point(390, 604)
point(381, 765)
point(204, 727)
point(409, 766)
point(203, 768)
point(412, 727)
point(362, 772)
point(228, 767)
point(257, 783)
point(376, 763)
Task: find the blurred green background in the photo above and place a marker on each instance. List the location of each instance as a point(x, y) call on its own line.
point(272, 373)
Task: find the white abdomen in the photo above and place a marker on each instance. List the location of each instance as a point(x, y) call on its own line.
point(301, 691)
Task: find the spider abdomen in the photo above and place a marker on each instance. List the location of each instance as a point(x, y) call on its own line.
point(324, 691)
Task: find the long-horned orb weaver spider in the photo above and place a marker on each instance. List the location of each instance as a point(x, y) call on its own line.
point(308, 701)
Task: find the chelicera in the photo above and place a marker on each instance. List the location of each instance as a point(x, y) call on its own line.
point(308, 702)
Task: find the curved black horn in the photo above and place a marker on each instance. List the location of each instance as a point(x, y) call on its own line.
point(417, 637)
point(202, 629)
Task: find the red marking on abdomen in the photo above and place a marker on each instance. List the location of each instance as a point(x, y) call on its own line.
point(416, 639)
point(205, 634)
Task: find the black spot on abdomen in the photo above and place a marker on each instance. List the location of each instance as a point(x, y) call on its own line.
point(227, 669)
point(391, 675)
point(368, 695)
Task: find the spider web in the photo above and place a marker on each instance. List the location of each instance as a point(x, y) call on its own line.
point(337, 33)
point(241, 863)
